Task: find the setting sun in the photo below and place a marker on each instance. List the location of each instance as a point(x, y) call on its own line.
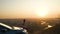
point(42, 13)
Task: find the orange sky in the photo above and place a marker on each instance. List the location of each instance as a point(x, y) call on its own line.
point(28, 8)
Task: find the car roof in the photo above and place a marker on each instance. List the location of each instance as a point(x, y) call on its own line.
point(2, 24)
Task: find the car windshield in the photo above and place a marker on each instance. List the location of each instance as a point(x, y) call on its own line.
point(5, 25)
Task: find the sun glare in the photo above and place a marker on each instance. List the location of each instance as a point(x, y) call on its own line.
point(42, 13)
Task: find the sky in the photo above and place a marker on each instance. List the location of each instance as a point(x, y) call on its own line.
point(29, 8)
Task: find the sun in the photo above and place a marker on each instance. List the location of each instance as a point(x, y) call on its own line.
point(42, 13)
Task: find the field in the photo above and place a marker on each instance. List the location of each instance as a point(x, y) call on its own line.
point(33, 26)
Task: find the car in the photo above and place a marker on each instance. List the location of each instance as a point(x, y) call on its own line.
point(6, 29)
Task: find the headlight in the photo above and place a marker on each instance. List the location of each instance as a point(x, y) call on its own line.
point(24, 30)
